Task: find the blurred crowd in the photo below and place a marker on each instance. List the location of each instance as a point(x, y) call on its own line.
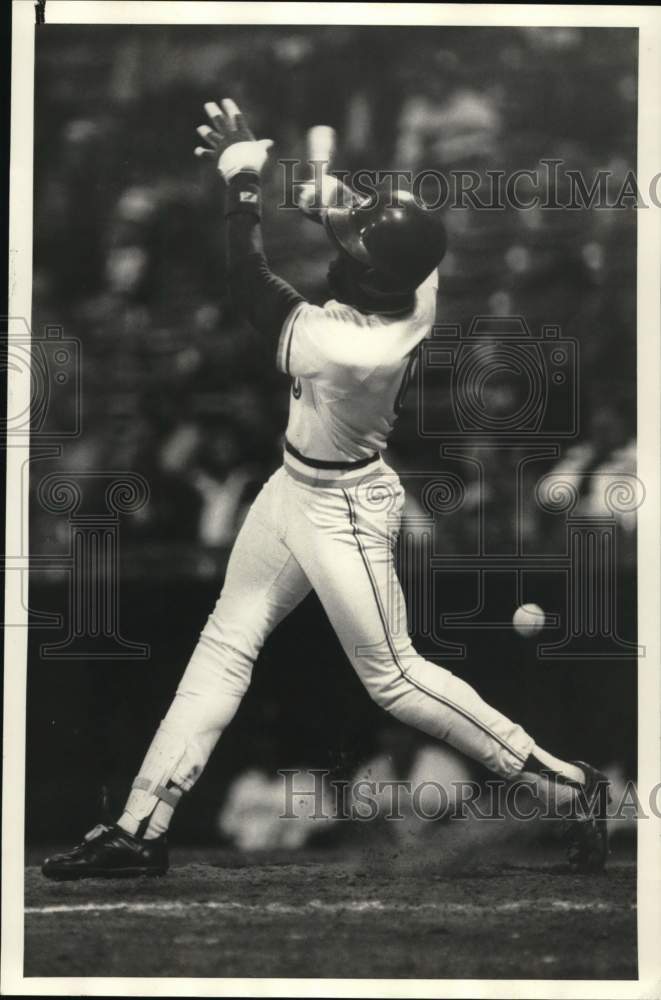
point(129, 245)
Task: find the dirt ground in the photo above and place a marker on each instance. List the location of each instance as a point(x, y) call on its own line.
point(378, 913)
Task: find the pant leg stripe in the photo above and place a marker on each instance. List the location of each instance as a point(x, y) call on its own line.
point(393, 652)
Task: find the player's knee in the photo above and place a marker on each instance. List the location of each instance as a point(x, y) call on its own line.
point(217, 668)
point(237, 631)
point(401, 689)
point(383, 688)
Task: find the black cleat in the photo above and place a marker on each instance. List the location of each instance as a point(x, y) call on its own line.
point(586, 830)
point(109, 852)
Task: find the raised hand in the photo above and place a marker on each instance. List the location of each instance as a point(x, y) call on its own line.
point(230, 142)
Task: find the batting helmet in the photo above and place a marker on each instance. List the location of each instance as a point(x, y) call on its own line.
point(392, 235)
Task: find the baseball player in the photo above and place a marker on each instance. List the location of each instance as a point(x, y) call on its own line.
point(327, 519)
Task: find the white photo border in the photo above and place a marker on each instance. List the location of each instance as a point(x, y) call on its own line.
point(648, 21)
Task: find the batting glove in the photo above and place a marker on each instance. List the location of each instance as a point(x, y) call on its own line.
point(233, 146)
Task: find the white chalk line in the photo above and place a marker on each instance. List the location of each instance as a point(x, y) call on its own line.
point(174, 907)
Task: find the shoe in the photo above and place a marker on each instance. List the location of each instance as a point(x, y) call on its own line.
point(109, 852)
point(586, 832)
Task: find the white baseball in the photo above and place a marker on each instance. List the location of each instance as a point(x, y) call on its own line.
point(528, 619)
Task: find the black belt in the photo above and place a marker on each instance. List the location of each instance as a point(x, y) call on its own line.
point(316, 463)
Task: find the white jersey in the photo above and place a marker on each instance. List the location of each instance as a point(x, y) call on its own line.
point(350, 370)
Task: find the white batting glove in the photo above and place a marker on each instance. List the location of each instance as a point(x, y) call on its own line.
point(233, 146)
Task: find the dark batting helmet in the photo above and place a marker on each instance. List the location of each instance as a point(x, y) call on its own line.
point(390, 235)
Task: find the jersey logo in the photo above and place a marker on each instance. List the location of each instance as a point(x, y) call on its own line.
point(296, 388)
point(250, 196)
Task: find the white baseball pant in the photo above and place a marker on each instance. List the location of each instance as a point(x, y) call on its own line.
point(337, 539)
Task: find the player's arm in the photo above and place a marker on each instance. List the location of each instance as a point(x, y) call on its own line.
point(260, 295)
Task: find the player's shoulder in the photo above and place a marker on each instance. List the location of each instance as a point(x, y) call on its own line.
point(338, 336)
point(331, 313)
point(328, 338)
point(345, 314)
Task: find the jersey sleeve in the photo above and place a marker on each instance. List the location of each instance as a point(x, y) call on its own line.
point(316, 342)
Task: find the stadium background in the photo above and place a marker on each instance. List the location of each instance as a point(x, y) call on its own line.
point(128, 259)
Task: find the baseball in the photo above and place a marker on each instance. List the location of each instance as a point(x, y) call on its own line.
point(528, 619)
